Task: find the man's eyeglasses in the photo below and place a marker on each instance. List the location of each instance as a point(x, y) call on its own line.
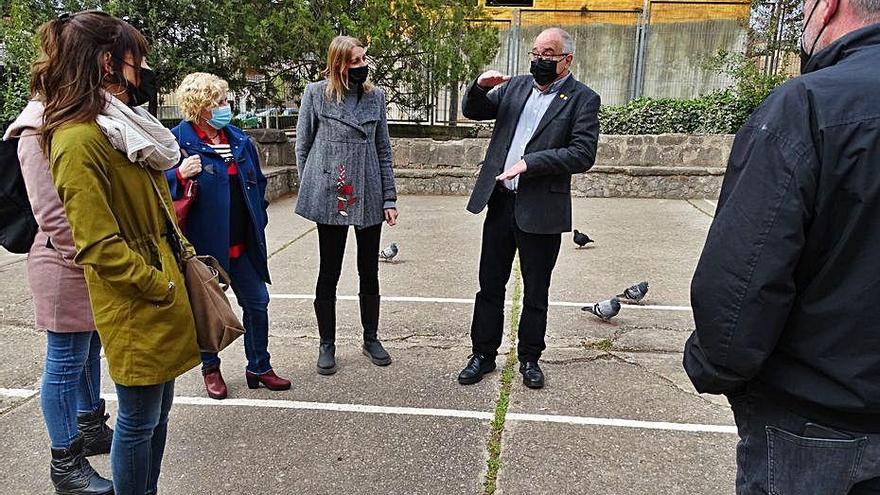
point(556, 57)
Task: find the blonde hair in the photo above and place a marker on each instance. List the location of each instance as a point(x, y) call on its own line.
point(338, 57)
point(199, 91)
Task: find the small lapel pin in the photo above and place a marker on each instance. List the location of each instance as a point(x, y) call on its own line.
point(563, 96)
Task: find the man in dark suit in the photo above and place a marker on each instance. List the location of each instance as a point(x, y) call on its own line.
point(546, 129)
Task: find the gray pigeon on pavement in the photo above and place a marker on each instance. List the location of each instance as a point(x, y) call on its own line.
point(389, 253)
point(581, 239)
point(606, 309)
point(636, 292)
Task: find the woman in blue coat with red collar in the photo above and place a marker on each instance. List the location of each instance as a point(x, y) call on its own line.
point(228, 218)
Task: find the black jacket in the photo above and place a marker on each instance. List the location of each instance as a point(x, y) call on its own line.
point(563, 144)
point(786, 295)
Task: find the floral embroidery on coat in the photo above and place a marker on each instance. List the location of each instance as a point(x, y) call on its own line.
point(344, 192)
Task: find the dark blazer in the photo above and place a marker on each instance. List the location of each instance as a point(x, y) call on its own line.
point(207, 226)
point(563, 144)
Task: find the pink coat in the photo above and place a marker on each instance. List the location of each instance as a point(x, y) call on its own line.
point(61, 299)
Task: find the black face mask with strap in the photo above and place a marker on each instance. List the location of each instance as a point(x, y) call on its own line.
point(805, 55)
point(544, 71)
point(144, 92)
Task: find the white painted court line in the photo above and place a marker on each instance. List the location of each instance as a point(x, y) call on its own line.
point(622, 423)
point(326, 406)
point(420, 411)
point(454, 300)
point(18, 393)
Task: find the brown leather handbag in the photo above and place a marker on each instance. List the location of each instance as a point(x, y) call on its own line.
point(217, 325)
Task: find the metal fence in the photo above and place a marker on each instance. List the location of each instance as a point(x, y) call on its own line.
point(664, 50)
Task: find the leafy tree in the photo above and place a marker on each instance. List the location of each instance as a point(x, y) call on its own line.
point(268, 48)
point(775, 33)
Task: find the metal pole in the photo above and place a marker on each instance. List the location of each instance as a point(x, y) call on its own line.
point(643, 48)
point(517, 22)
point(633, 73)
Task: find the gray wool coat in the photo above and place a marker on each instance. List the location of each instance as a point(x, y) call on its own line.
point(329, 137)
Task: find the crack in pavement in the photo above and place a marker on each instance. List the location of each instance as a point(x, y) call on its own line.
point(292, 241)
point(669, 383)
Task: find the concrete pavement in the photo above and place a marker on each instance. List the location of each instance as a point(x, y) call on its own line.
point(609, 421)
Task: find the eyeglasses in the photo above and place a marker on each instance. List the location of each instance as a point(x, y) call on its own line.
point(556, 57)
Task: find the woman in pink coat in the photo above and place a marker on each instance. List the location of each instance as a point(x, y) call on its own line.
point(70, 393)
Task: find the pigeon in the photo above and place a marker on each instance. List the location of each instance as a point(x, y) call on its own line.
point(581, 239)
point(606, 309)
point(389, 253)
point(636, 292)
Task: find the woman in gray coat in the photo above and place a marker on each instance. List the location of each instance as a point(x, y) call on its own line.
point(344, 157)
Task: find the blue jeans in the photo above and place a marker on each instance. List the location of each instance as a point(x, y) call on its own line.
point(71, 383)
point(139, 440)
point(253, 297)
point(783, 452)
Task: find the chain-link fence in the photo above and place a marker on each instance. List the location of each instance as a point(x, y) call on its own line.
point(681, 41)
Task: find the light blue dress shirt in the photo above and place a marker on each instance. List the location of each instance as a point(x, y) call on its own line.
point(531, 116)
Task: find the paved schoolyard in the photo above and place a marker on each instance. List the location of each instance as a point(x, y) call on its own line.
point(618, 415)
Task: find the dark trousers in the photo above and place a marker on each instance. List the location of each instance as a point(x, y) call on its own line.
point(783, 452)
point(139, 440)
point(253, 297)
point(331, 241)
point(71, 383)
point(537, 257)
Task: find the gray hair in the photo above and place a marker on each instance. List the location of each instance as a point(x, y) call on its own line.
point(869, 9)
point(568, 41)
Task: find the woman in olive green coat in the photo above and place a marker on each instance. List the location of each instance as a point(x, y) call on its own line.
point(107, 159)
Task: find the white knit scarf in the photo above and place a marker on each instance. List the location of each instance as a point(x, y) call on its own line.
point(138, 134)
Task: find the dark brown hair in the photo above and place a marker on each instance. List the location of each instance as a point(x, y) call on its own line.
point(68, 74)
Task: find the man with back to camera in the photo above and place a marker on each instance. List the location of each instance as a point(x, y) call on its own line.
point(546, 129)
point(787, 290)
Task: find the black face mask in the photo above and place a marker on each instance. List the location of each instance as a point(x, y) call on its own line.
point(805, 55)
point(358, 75)
point(145, 92)
point(544, 71)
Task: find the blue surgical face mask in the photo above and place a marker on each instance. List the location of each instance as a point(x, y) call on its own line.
point(220, 117)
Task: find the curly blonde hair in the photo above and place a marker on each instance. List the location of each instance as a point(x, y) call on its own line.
point(199, 91)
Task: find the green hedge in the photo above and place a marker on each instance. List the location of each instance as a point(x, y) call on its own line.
point(720, 112)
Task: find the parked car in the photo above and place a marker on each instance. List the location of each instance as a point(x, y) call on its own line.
point(248, 120)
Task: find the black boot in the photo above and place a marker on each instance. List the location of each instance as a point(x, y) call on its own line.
point(97, 436)
point(72, 474)
point(370, 320)
point(325, 312)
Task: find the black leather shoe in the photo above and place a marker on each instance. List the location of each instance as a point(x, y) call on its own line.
point(532, 375)
point(97, 436)
point(72, 474)
point(477, 366)
point(327, 358)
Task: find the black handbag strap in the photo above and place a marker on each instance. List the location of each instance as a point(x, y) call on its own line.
point(170, 219)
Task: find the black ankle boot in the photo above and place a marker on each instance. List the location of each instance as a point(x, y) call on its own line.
point(72, 474)
point(97, 436)
point(370, 320)
point(325, 312)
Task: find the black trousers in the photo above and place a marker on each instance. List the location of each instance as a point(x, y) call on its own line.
point(331, 241)
point(537, 256)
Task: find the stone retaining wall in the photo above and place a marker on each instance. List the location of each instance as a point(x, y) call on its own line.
point(674, 166)
point(671, 166)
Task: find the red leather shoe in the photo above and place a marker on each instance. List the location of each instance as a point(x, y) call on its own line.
point(214, 384)
point(269, 379)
